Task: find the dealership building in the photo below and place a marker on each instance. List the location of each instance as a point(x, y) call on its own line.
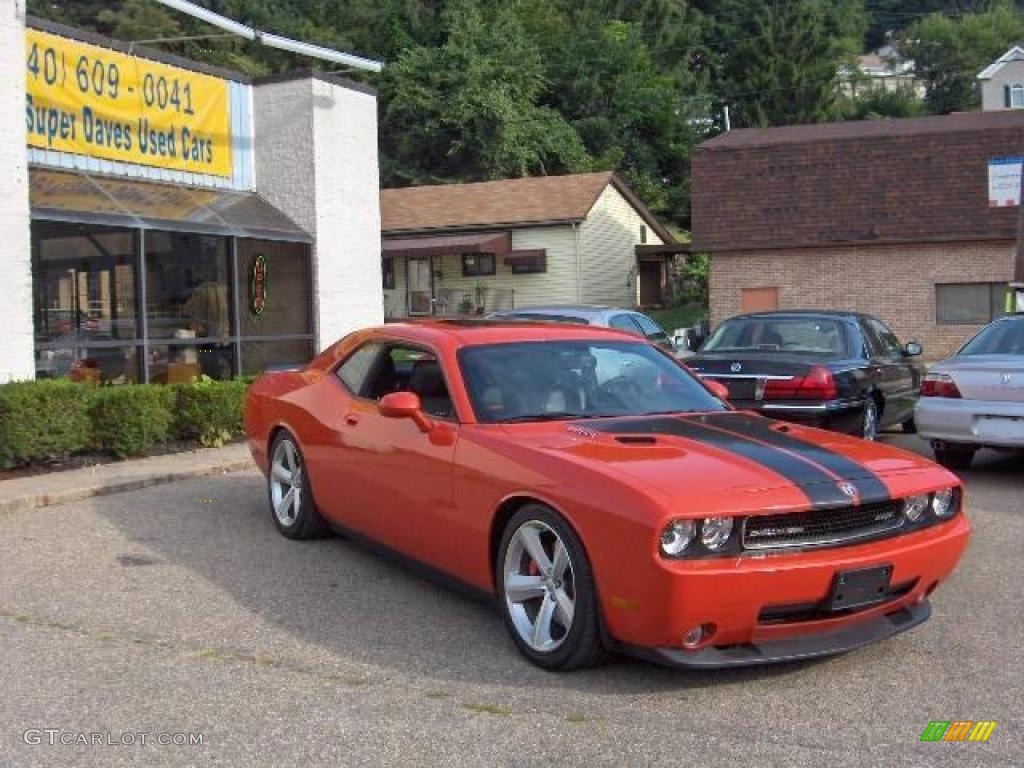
point(161, 218)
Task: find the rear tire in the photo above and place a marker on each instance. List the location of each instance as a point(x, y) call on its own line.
point(546, 591)
point(956, 457)
point(910, 426)
point(289, 491)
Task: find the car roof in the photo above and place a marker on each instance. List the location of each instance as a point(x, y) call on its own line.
point(472, 332)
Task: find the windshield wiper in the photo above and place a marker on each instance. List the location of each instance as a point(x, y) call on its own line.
point(552, 416)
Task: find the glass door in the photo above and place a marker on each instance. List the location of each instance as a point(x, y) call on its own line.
point(421, 286)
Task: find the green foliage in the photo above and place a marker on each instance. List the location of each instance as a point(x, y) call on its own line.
point(877, 103)
point(42, 420)
point(210, 411)
point(130, 419)
point(777, 62)
point(949, 52)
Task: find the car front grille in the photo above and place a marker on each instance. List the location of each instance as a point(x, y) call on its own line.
point(821, 527)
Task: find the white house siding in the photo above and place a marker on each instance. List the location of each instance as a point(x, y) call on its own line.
point(16, 348)
point(555, 286)
point(992, 90)
point(609, 236)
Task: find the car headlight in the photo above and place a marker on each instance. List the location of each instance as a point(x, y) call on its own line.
point(943, 502)
point(677, 537)
point(714, 532)
point(914, 507)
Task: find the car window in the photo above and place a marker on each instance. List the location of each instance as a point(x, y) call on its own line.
point(651, 329)
point(538, 381)
point(357, 366)
point(625, 323)
point(821, 336)
point(891, 346)
point(405, 368)
point(1005, 337)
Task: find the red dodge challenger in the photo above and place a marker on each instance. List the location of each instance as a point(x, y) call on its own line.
point(608, 498)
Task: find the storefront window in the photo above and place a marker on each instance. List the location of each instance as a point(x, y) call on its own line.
point(181, 363)
point(258, 356)
point(85, 302)
point(187, 286)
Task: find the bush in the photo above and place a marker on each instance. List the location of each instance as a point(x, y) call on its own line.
point(130, 419)
point(42, 420)
point(211, 411)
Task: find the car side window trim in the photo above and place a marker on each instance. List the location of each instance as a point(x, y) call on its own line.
point(386, 346)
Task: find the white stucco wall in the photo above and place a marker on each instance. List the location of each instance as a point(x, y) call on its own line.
point(316, 160)
point(16, 347)
point(609, 236)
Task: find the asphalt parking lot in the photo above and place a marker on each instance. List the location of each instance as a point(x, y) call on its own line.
point(179, 609)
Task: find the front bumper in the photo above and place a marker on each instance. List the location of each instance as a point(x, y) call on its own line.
point(828, 643)
point(773, 607)
point(974, 422)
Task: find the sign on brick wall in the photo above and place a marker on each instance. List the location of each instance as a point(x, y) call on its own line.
point(1004, 181)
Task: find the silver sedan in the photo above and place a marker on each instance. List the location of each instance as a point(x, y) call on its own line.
point(975, 399)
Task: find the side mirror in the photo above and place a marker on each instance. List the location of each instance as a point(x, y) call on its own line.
point(718, 389)
point(913, 349)
point(405, 405)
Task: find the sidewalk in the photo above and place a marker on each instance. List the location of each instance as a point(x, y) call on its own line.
point(72, 485)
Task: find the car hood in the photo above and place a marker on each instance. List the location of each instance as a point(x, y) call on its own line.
point(731, 455)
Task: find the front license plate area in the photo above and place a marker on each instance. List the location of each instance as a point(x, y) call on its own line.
point(855, 589)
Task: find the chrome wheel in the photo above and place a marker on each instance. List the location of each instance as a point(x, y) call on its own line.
point(286, 482)
point(540, 587)
point(869, 429)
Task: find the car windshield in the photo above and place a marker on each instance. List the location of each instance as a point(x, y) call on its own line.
point(1003, 338)
point(799, 335)
point(549, 380)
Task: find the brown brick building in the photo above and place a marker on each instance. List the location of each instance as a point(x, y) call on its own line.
point(890, 217)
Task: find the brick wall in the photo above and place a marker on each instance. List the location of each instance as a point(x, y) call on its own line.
point(895, 283)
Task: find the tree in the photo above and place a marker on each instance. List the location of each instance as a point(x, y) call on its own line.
point(949, 52)
point(777, 62)
point(471, 108)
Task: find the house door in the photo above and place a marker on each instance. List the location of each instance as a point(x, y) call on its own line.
point(649, 273)
point(421, 286)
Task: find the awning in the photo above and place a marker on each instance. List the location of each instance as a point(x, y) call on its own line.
point(76, 196)
point(533, 260)
point(653, 251)
point(499, 243)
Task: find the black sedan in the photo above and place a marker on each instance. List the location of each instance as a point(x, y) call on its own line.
point(842, 371)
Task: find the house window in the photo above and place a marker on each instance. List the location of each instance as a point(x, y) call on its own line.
point(1017, 96)
point(969, 303)
point(388, 270)
point(477, 264)
point(643, 234)
point(759, 299)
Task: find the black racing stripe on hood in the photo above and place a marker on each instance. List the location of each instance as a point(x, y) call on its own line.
point(870, 487)
point(820, 486)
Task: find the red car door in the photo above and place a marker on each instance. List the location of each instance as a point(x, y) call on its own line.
point(399, 478)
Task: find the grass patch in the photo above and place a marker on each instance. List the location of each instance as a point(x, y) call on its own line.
point(575, 718)
point(437, 695)
point(677, 317)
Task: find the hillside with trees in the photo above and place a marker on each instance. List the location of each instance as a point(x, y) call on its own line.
point(484, 89)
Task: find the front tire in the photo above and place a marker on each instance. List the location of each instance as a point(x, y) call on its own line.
point(546, 591)
point(289, 491)
point(957, 457)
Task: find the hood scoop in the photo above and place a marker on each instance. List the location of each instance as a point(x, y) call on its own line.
point(636, 439)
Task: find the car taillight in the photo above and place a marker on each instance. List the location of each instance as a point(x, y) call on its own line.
point(818, 384)
point(939, 385)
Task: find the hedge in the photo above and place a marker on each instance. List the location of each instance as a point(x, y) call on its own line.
point(44, 420)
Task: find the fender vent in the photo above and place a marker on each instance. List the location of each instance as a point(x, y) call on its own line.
point(637, 440)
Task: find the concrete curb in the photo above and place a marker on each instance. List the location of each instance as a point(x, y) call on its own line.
point(90, 482)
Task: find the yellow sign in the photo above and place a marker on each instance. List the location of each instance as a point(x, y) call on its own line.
point(93, 101)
